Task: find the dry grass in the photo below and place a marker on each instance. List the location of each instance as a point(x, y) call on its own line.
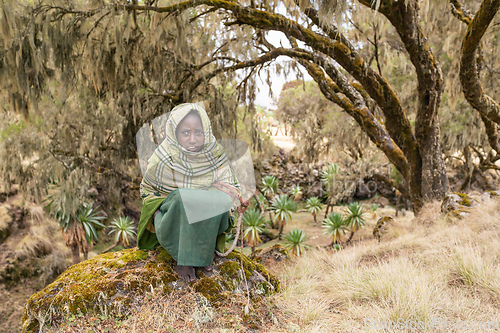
point(181, 311)
point(429, 268)
point(37, 243)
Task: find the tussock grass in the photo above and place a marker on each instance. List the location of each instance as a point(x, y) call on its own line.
point(37, 243)
point(56, 262)
point(37, 214)
point(429, 268)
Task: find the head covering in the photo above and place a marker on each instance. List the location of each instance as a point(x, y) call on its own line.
point(172, 166)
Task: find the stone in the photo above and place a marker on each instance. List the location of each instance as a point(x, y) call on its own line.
point(457, 204)
point(113, 283)
point(381, 227)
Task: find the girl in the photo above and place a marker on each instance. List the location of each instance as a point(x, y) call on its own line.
point(187, 191)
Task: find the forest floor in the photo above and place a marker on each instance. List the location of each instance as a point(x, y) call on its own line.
point(316, 236)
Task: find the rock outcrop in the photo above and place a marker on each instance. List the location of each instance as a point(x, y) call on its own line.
point(458, 204)
point(380, 228)
point(113, 283)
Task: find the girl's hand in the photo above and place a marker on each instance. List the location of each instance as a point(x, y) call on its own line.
point(229, 190)
point(244, 205)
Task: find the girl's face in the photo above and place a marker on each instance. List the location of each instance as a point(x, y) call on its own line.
point(190, 133)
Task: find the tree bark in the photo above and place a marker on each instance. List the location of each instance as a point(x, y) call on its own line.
point(428, 180)
point(469, 74)
point(75, 254)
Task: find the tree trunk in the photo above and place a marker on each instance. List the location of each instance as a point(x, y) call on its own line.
point(350, 237)
point(469, 74)
point(273, 226)
point(428, 180)
point(281, 225)
point(314, 216)
point(434, 179)
point(75, 254)
point(326, 210)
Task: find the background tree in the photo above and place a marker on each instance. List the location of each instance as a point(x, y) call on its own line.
point(123, 228)
point(334, 226)
point(269, 188)
point(354, 218)
point(295, 242)
point(283, 207)
point(78, 227)
point(318, 125)
point(98, 43)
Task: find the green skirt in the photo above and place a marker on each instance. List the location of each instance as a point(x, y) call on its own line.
point(190, 244)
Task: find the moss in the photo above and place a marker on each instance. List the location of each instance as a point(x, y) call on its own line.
point(110, 281)
point(164, 255)
point(124, 257)
point(229, 268)
point(458, 213)
point(248, 265)
point(207, 287)
point(113, 282)
point(465, 199)
point(270, 278)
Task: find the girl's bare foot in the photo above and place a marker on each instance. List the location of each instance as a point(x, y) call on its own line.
point(208, 268)
point(186, 273)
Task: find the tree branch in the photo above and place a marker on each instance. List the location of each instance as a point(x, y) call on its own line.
point(376, 131)
point(469, 76)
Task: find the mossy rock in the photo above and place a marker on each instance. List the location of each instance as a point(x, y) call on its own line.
point(276, 253)
point(112, 284)
point(381, 227)
point(457, 202)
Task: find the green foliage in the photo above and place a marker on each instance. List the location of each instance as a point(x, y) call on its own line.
point(313, 205)
point(283, 207)
point(355, 216)
point(296, 189)
point(263, 203)
point(89, 218)
point(254, 224)
point(329, 176)
point(269, 186)
point(334, 225)
point(295, 242)
point(123, 228)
